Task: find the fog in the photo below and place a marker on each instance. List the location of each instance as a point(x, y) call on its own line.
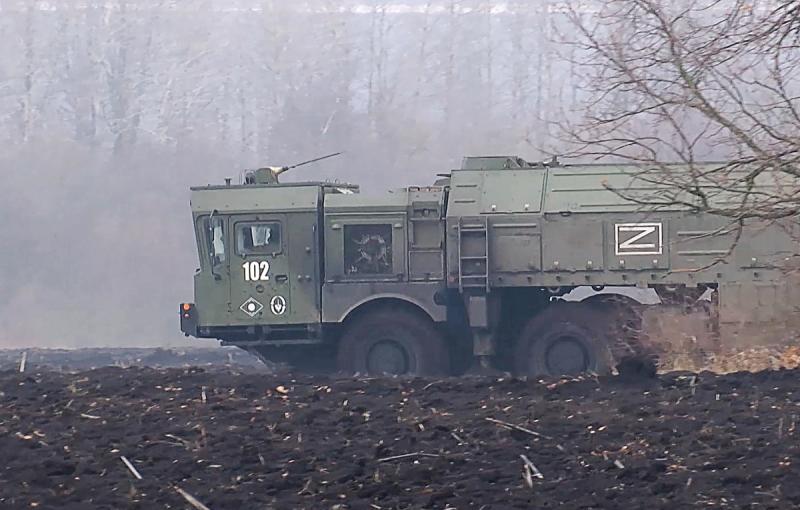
point(110, 110)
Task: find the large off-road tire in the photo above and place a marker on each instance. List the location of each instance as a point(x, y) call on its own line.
point(623, 317)
point(564, 339)
point(393, 341)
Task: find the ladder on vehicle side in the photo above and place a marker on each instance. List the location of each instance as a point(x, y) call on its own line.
point(473, 253)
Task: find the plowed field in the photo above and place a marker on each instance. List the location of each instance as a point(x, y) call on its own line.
point(228, 441)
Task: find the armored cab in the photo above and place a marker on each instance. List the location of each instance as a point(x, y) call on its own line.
point(260, 271)
point(533, 268)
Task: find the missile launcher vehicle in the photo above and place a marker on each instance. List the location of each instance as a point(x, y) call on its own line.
point(532, 268)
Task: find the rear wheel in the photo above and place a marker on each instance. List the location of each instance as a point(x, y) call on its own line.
point(632, 352)
point(395, 342)
point(623, 317)
point(564, 339)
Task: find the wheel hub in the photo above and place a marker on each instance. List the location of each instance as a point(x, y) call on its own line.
point(566, 356)
point(387, 357)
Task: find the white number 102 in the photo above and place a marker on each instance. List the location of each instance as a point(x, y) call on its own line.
point(256, 271)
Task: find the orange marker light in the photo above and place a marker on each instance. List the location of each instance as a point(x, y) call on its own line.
point(187, 307)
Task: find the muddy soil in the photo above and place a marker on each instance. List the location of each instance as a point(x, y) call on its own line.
point(239, 440)
point(86, 359)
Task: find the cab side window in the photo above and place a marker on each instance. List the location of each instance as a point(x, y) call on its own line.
point(258, 238)
point(368, 249)
point(215, 239)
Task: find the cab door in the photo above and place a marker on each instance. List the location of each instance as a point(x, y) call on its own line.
point(212, 280)
point(274, 268)
point(259, 269)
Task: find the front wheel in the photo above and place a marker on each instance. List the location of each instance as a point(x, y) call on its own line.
point(393, 341)
point(564, 339)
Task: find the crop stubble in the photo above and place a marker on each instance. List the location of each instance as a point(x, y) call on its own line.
point(232, 440)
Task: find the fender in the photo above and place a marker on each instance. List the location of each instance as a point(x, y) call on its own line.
point(338, 302)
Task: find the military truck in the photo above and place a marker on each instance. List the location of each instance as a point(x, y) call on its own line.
point(533, 268)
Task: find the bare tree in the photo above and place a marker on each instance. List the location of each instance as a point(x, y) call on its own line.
point(688, 81)
point(112, 108)
point(27, 101)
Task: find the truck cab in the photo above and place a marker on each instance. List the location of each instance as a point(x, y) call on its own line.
point(293, 271)
point(258, 278)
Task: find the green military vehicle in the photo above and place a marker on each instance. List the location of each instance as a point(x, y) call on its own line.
point(533, 268)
